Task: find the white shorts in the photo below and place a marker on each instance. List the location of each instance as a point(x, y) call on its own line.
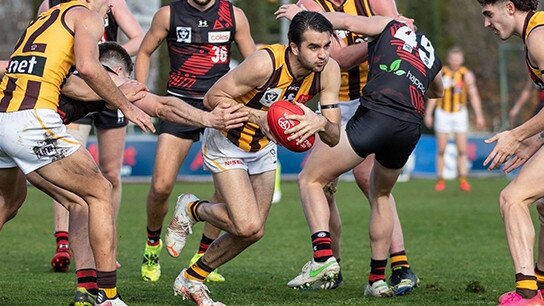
point(347, 109)
point(31, 139)
point(446, 122)
point(221, 155)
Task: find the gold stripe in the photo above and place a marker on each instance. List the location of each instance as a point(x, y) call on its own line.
point(51, 133)
point(527, 284)
point(399, 258)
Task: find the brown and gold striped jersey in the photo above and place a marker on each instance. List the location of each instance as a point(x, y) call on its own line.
point(354, 79)
point(280, 86)
point(455, 90)
point(534, 20)
point(40, 63)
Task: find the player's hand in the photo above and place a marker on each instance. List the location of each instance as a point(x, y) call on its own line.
point(408, 21)
point(133, 90)
point(226, 116)
point(288, 11)
point(506, 146)
point(526, 150)
point(138, 117)
point(309, 124)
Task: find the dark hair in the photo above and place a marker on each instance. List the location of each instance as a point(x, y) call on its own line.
point(113, 54)
point(307, 20)
point(522, 5)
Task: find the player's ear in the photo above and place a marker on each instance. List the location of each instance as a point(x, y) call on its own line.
point(294, 48)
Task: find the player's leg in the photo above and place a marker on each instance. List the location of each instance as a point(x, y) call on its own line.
point(539, 267)
point(242, 217)
point(312, 180)
point(209, 234)
point(441, 143)
point(442, 129)
point(74, 174)
point(403, 279)
point(462, 162)
point(169, 156)
point(111, 145)
point(460, 128)
point(514, 201)
point(381, 227)
point(61, 260)
point(12, 191)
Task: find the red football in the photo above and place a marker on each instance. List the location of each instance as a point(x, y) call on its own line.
point(278, 124)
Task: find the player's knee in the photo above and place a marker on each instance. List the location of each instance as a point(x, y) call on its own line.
point(250, 230)
point(161, 191)
point(509, 201)
point(113, 176)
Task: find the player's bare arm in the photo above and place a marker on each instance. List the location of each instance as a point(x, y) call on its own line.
point(436, 88)
point(526, 150)
point(242, 36)
point(152, 40)
point(87, 31)
point(129, 25)
point(252, 73)
point(78, 89)
point(474, 98)
point(328, 123)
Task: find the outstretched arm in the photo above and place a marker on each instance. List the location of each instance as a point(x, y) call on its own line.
point(128, 24)
point(152, 40)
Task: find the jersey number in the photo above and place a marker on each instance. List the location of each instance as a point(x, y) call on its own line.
point(424, 46)
point(220, 54)
point(30, 46)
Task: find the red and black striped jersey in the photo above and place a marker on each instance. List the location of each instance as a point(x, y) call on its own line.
point(199, 45)
point(403, 64)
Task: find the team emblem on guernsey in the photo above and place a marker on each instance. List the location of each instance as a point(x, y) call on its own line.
point(183, 34)
point(270, 96)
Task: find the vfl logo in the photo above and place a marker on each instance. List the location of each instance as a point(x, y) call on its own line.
point(47, 149)
point(270, 96)
point(183, 34)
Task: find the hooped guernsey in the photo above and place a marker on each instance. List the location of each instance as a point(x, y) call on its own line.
point(40, 63)
point(355, 78)
point(455, 90)
point(280, 86)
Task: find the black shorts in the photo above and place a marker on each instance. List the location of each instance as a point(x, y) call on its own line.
point(392, 140)
point(107, 119)
point(182, 130)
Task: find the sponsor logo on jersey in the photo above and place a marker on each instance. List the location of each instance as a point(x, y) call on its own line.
point(33, 65)
point(183, 34)
point(304, 98)
point(270, 96)
point(203, 23)
point(219, 37)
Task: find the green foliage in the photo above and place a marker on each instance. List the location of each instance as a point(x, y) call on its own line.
point(455, 243)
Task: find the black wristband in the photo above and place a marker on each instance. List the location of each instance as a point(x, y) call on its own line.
point(330, 106)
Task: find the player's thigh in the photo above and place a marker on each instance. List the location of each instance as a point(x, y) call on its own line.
point(527, 184)
point(170, 154)
point(263, 186)
point(441, 141)
point(111, 144)
point(241, 200)
point(12, 191)
point(76, 173)
point(461, 142)
point(64, 197)
point(338, 159)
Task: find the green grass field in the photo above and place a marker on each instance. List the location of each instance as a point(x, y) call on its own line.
point(455, 243)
